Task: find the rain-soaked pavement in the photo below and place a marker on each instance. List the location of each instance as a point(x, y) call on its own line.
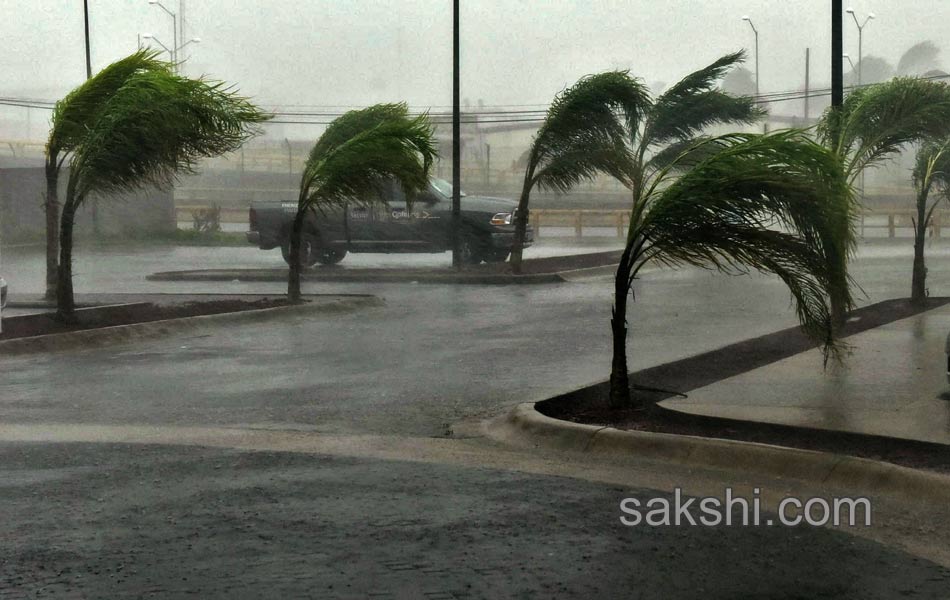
point(893, 383)
point(107, 520)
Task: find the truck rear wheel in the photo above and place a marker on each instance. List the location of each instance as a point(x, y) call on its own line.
point(308, 252)
point(330, 256)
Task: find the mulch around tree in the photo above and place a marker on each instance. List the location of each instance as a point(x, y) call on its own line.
point(589, 405)
point(127, 314)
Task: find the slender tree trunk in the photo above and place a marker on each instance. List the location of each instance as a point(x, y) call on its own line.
point(293, 282)
point(619, 375)
point(52, 224)
point(65, 303)
point(521, 228)
point(918, 288)
point(521, 220)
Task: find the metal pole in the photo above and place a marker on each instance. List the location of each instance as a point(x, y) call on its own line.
point(837, 49)
point(807, 74)
point(456, 143)
point(754, 30)
point(85, 14)
point(488, 164)
point(860, 55)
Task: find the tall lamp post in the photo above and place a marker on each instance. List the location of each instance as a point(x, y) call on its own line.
point(174, 17)
point(172, 52)
point(756, 32)
point(456, 143)
point(847, 57)
point(860, 27)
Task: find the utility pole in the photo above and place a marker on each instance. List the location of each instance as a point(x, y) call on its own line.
point(807, 82)
point(456, 143)
point(837, 49)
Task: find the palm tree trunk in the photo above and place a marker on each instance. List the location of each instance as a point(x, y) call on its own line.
point(293, 282)
point(521, 220)
point(521, 228)
point(619, 375)
point(65, 303)
point(52, 224)
point(918, 287)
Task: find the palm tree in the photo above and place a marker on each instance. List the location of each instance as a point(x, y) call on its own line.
point(771, 203)
point(358, 154)
point(873, 125)
point(154, 126)
point(71, 119)
point(932, 169)
point(581, 137)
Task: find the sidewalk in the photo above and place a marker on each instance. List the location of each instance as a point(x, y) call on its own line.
point(894, 383)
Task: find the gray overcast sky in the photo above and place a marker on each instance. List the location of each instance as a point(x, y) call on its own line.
point(357, 52)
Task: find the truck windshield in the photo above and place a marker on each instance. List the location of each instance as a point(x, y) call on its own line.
point(443, 187)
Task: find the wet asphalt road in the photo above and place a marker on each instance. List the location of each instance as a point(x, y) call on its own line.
point(107, 520)
point(433, 355)
point(113, 521)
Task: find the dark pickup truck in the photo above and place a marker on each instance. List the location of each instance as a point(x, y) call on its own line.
point(391, 226)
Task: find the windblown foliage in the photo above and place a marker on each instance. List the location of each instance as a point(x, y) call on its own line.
point(609, 124)
point(146, 126)
point(75, 113)
point(361, 152)
point(876, 122)
point(156, 126)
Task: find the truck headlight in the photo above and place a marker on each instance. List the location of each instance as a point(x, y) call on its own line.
point(501, 219)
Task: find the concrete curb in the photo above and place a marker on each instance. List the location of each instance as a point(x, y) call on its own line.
point(357, 277)
point(104, 336)
point(525, 426)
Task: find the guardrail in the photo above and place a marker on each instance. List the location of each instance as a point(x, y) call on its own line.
point(891, 219)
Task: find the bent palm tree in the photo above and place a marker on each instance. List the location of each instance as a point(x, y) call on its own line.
point(873, 125)
point(772, 203)
point(72, 118)
point(154, 126)
point(357, 155)
point(932, 169)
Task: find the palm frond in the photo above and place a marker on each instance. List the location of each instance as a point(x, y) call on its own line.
point(696, 103)
point(354, 122)
point(932, 164)
point(776, 203)
point(397, 149)
point(582, 158)
point(876, 122)
point(681, 154)
point(598, 105)
point(75, 113)
point(157, 125)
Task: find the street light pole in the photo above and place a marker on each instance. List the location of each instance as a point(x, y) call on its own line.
point(860, 27)
point(174, 53)
point(456, 143)
point(756, 32)
point(85, 15)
